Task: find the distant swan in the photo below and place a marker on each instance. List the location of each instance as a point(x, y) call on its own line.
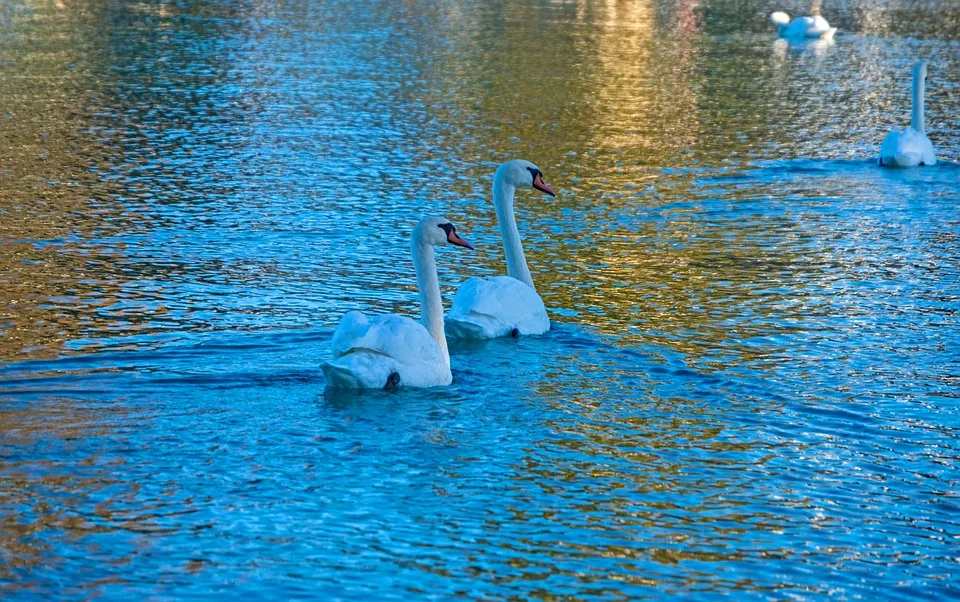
point(487, 308)
point(910, 147)
point(390, 350)
point(802, 27)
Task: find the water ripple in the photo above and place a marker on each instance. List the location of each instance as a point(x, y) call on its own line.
point(750, 390)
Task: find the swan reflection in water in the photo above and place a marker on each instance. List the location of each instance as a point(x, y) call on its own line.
point(816, 47)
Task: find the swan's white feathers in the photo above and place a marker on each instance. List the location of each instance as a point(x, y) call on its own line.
point(802, 27)
point(780, 18)
point(907, 148)
point(494, 307)
point(367, 350)
point(392, 335)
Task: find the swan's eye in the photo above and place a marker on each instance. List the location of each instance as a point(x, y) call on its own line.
point(447, 228)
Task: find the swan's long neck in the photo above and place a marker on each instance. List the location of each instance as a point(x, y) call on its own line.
point(503, 203)
point(431, 304)
point(916, 120)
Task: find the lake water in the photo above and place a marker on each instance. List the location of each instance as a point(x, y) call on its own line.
point(750, 391)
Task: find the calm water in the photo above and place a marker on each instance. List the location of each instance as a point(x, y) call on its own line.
point(750, 391)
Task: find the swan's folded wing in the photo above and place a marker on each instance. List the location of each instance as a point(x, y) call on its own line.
point(818, 26)
point(352, 327)
point(500, 295)
point(500, 303)
point(398, 337)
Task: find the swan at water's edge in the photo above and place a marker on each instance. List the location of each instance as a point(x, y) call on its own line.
point(487, 308)
point(910, 147)
point(390, 350)
point(813, 26)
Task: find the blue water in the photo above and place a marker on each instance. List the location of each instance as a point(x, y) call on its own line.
point(749, 392)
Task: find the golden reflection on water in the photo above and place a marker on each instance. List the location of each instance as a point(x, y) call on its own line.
point(602, 123)
point(602, 95)
point(55, 278)
point(64, 168)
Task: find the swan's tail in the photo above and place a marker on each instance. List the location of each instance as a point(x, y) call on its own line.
point(780, 19)
point(360, 369)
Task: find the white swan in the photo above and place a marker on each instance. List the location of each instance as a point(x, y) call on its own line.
point(910, 147)
point(386, 351)
point(802, 27)
point(486, 308)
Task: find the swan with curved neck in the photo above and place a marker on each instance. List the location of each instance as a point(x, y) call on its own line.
point(910, 147)
point(390, 350)
point(487, 308)
point(801, 28)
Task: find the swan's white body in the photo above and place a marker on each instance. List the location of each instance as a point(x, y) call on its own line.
point(487, 308)
point(802, 27)
point(372, 353)
point(910, 147)
point(367, 350)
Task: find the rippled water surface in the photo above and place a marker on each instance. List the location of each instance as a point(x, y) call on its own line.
point(750, 390)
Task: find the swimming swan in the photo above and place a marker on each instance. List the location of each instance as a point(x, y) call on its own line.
point(910, 147)
point(802, 27)
point(390, 350)
point(486, 308)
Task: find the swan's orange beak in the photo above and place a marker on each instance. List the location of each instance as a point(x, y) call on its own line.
point(453, 239)
point(542, 186)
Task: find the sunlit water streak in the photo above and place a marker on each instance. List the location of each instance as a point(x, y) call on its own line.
point(750, 390)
